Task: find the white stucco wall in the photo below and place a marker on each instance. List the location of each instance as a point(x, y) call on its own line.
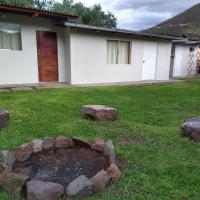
point(20, 67)
point(163, 60)
point(88, 60)
point(81, 56)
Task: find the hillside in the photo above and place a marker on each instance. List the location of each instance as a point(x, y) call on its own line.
point(186, 24)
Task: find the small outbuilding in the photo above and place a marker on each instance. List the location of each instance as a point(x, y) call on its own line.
point(39, 46)
point(185, 58)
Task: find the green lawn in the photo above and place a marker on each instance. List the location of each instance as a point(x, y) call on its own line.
point(157, 163)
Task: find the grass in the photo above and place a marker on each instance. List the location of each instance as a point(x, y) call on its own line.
point(160, 165)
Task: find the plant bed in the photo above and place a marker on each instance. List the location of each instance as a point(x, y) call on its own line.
point(54, 167)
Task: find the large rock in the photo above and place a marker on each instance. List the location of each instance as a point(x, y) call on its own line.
point(63, 142)
point(13, 183)
point(23, 152)
point(100, 112)
point(37, 145)
point(37, 190)
point(100, 181)
point(8, 158)
point(4, 118)
point(80, 187)
point(109, 151)
point(114, 172)
point(48, 143)
point(98, 144)
point(191, 128)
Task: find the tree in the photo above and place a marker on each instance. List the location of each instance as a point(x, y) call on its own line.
point(90, 16)
point(43, 4)
point(87, 15)
point(23, 3)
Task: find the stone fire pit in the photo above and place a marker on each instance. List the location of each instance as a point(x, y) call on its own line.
point(54, 167)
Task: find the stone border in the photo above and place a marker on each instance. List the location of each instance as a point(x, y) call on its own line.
point(80, 187)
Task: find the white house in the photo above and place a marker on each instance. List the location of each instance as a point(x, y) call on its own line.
point(39, 46)
point(185, 58)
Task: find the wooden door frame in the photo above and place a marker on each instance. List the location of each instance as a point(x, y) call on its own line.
point(37, 45)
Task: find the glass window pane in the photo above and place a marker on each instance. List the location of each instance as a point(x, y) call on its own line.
point(10, 36)
point(112, 52)
point(124, 52)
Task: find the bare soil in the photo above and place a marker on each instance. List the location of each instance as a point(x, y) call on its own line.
point(125, 139)
point(62, 165)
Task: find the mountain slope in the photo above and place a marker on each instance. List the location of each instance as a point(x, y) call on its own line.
point(186, 24)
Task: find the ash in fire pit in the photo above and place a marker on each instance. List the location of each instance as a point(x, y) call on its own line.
point(58, 166)
point(62, 165)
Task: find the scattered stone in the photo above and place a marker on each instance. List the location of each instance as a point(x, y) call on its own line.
point(8, 158)
point(191, 129)
point(81, 142)
point(37, 190)
point(63, 142)
point(100, 181)
point(37, 145)
point(13, 183)
point(80, 187)
point(49, 143)
point(4, 118)
point(98, 144)
point(24, 152)
point(100, 112)
point(114, 172)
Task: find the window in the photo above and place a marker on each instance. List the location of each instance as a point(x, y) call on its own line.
point(118, 52)
point(10, 36)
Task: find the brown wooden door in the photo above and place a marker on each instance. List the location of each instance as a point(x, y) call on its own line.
point(47, 56)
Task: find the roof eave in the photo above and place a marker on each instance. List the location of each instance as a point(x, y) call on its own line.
point(116, 31)
point(34, 12)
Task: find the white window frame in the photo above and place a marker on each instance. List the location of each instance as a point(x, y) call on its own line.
point(129, 53)
point(9, 49)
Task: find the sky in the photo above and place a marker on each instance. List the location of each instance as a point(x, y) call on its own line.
point(141, 14)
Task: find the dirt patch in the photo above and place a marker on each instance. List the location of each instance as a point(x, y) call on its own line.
point(115, 191)
point(62, 166)
point(125, 139)
point(123, 164)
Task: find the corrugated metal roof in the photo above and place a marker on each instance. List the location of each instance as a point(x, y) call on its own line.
point(28, 11)
point(120, 31)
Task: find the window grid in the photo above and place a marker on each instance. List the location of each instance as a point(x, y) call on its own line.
point(118, 52)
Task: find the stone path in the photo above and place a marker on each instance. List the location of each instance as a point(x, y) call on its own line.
point(28, 87)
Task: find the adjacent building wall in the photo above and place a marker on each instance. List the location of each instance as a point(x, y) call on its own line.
point(20, 67)
point(88, 60)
